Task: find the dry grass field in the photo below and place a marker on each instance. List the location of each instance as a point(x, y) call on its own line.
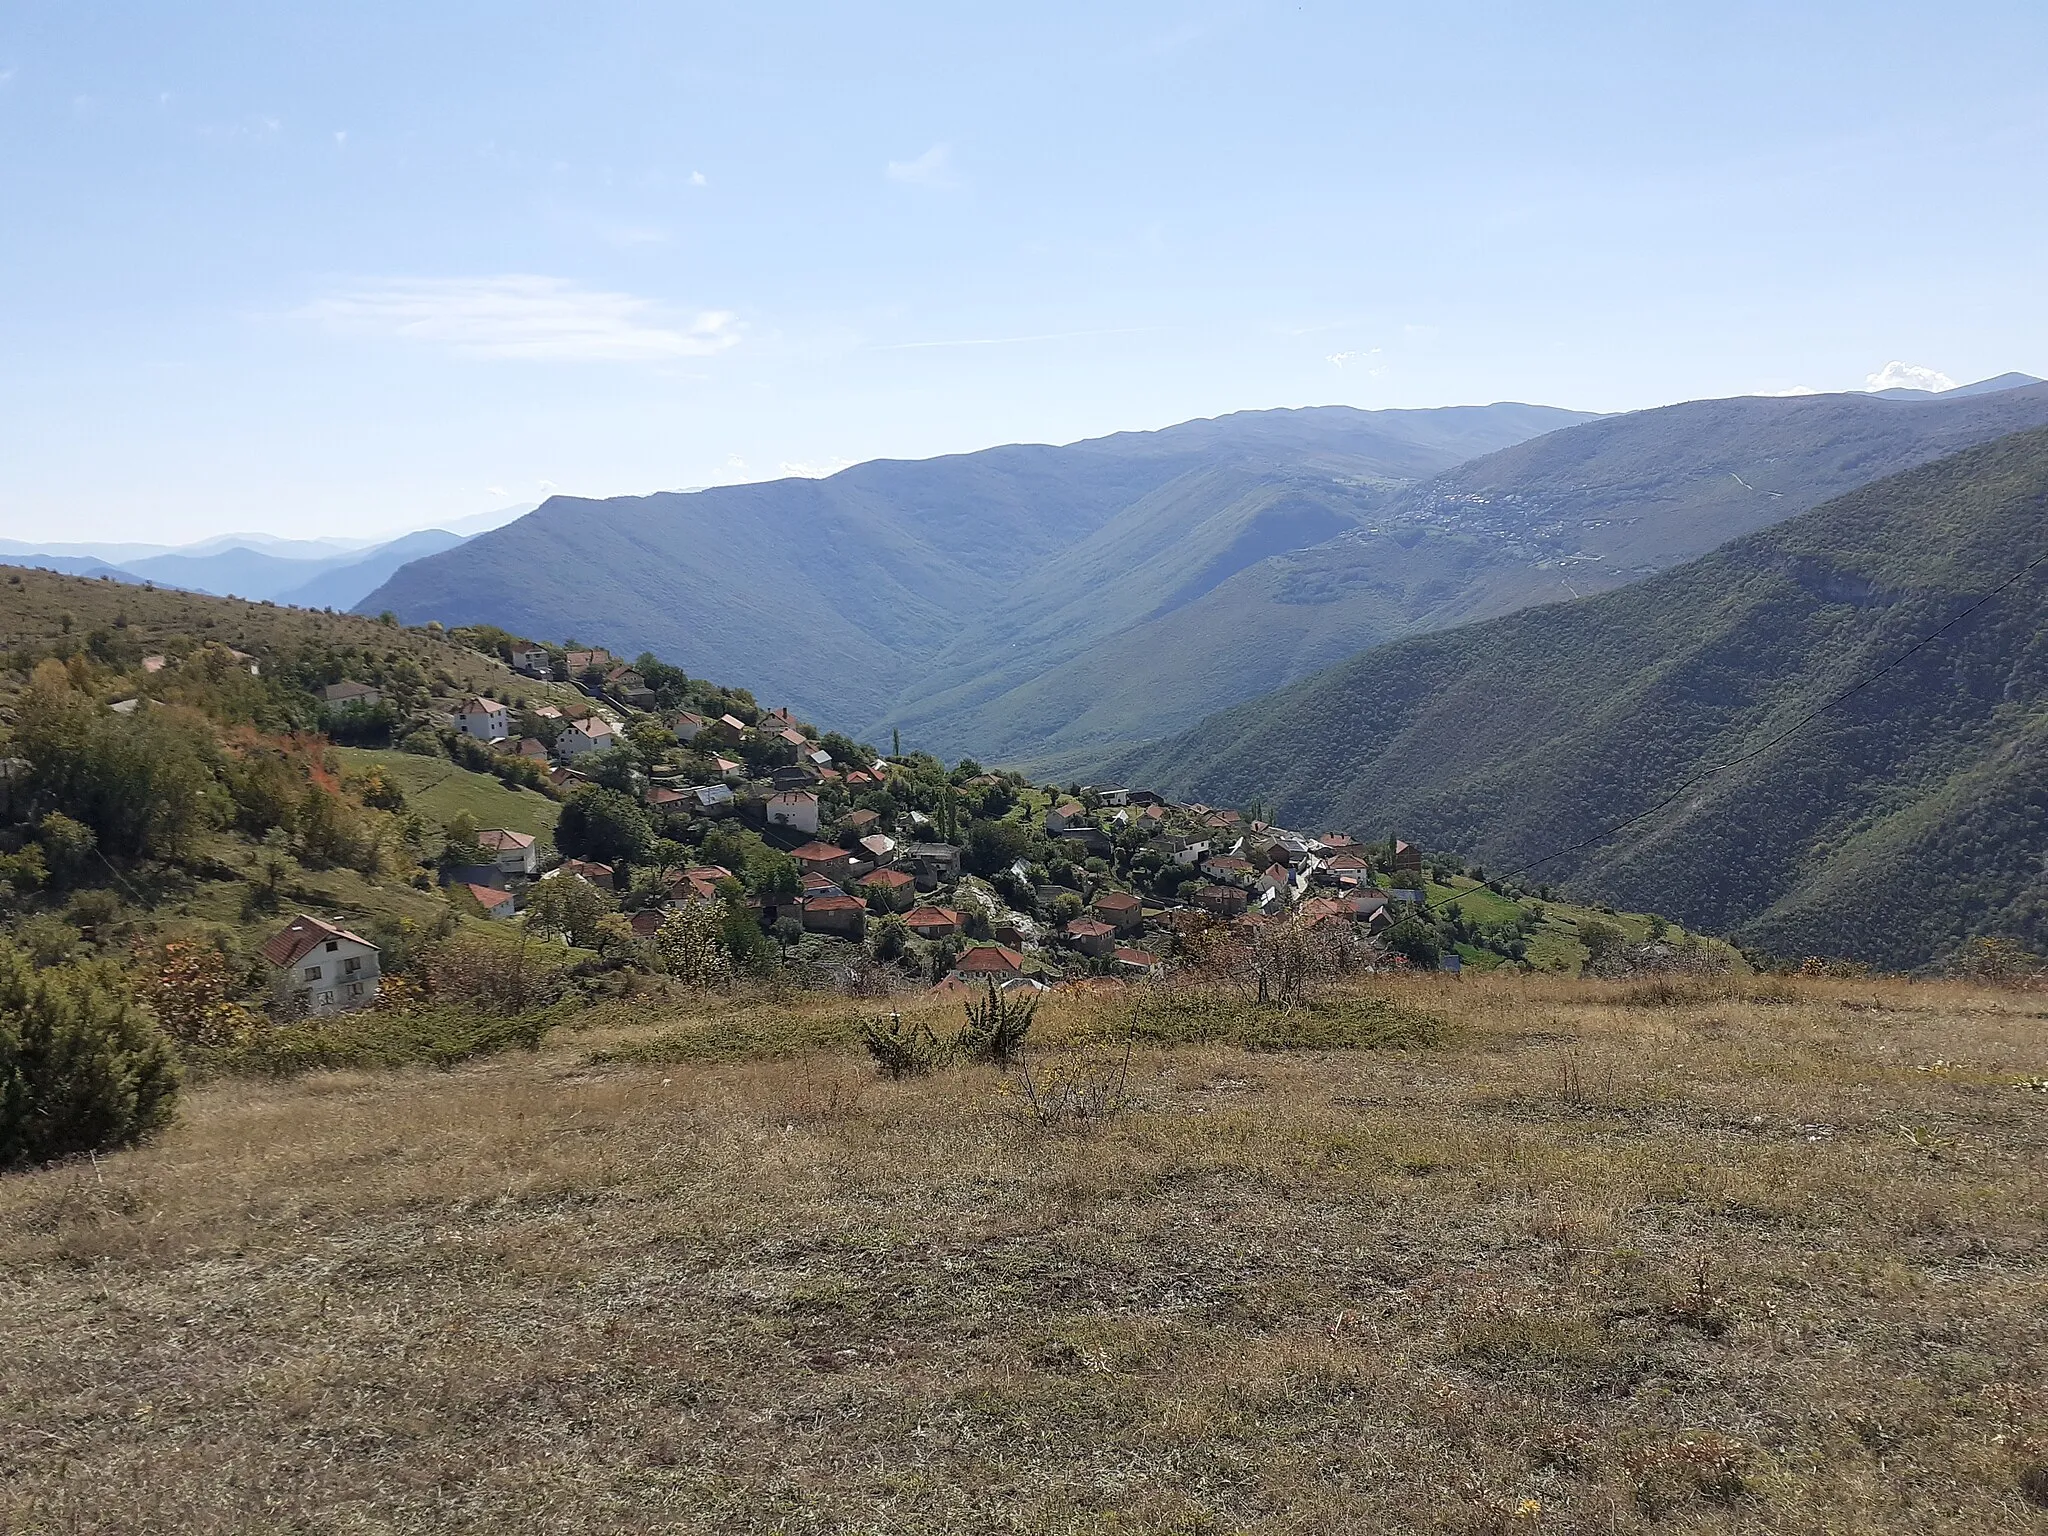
point(1602, 1259)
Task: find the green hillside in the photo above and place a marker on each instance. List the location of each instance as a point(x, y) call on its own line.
point(1045, 607)
point(1888, 829)
point(216, 805)
point(955, 579)
point(1569, 514)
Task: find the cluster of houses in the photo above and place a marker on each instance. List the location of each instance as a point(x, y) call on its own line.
point(853, 868)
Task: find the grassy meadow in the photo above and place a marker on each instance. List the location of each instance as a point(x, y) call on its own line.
point(1748, 1254)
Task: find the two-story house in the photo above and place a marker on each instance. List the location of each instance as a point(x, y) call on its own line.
point(328, 969)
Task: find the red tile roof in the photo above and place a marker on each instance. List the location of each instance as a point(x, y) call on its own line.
point(1131, 956)
point(1089, 928)
point(990, 960)
point(838, 903)
point(818, 853)
point(891, 879)
point(300, 935)
point(1117, 901)
point(488, 897)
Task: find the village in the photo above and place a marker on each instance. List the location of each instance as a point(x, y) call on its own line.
point(885, 868)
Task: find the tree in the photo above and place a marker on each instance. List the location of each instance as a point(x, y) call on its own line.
point(67, 845)
point(889, 934)
point(459, 843)
point(789, 932)
point(691, 942)
point(573, 908)
point(192, 989)
point(82, 1066)
point(605, 825)
point(1416, 941)
point(1604, 943)
point(141, 782)
point(995, 845)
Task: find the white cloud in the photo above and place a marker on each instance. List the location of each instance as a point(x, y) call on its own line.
point(1345, 359)
point(815, 471)
point(933, 168)
point(1787, 394)
point(697, 179)
point(1908, 376)
point(523, 316)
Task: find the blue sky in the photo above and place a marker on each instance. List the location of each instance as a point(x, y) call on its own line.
point(347, 268)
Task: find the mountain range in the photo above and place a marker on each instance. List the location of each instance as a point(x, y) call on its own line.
point(305, 573)
point(1827, 737)
point(1048, 607)
point(854, 596)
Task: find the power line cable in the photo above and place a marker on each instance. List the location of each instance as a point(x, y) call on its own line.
point(1757, 751)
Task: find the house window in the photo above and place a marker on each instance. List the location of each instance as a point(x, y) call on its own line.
point(327, 997)
point(355, 989)
point(312, 973)
point(350, 966)
point(333, 945)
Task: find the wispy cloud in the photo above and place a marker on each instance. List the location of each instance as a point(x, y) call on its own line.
point(698, 179)
point(933, 168)
point(523, 316)
point(1347, 359)
point(1897, 375)
point(815, 471)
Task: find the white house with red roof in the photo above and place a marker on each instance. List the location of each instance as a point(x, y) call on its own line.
point(328, 969)
point(590, 734)
point(515, 853)
point(485, 719)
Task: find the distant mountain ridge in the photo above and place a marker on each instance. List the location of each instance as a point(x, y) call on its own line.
point(892, 578)
point(1048, 607)
point(305, 573)
point(1888, 829)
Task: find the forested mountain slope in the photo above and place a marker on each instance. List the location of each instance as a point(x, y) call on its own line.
point(1045, 606)
point(842, 594)
point(1888, 828)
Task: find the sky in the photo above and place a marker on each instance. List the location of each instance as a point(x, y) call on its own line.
point(338, 270)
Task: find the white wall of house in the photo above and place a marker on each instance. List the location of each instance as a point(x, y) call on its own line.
point(575, 742)
point(797, 811)
point(485, 724)
point(334, 976)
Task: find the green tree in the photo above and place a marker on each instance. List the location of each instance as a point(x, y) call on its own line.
point(141, 782)
point(67, 846)
point(573, 908)
point(995, 845)
point(83, 1068)
point(1604, 944)
point(1417, 941)
point(889, 935)
point(605, 825)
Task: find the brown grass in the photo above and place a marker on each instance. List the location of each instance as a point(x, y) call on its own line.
point(1704, 1263)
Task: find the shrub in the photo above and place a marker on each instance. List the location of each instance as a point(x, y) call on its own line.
point(66, 845)
point(996, 1027)
point(82, 1067)
point(47, 940)
point(374, 1038)
point(192, 989)
point(902, 1050)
